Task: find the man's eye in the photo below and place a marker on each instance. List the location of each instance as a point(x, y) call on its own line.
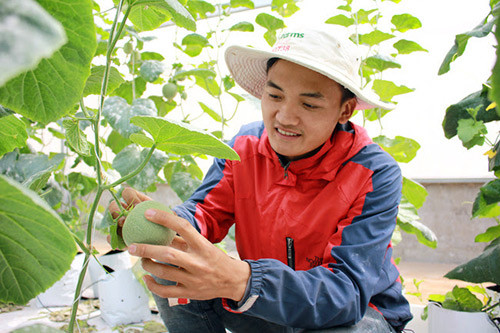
point(309, 106)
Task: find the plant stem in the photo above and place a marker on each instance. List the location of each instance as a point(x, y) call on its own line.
point(78, 290)
point(97, 153)
point(491, 307)
point(135, 172)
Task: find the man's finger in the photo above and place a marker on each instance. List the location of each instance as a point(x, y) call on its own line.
point(166, 291)
point(181, 226)
point(133, 197)
point(164, 254)
point(165, 271)
point(179, 244)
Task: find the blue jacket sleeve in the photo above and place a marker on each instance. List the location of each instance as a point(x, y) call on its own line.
point(335, 293)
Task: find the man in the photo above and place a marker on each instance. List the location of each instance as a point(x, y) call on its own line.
point(314, 203)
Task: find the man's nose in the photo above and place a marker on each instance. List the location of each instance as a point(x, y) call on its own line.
point(288, 114)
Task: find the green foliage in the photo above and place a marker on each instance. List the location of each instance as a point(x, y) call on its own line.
point(93, 85)
point(179, 138)
point(118, 113)
point(36, 248)
point(400, 148)
point(36, 94)
point(467, 120)
point(29, 25)
point(13, 133)
point(461, 40)
point(459, 299)
point(477, 101)
point(184, 184)
point(272, 24)
point(407, 46)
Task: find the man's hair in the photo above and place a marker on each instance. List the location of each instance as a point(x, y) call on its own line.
point(346, 93)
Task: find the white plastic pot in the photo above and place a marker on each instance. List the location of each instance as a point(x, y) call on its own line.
point(116, 260)
point(123, 299)
point(450, 321)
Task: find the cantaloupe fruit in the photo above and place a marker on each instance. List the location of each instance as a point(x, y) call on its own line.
point(138, 229)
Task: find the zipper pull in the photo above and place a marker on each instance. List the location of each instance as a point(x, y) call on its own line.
point(286, 170)
point(290, 252)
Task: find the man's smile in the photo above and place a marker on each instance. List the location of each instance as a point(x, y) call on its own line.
point(286, 133)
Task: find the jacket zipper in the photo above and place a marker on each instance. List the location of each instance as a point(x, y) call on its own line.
point(285, 167)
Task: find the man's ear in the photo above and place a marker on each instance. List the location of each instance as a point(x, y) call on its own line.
point(346, 110)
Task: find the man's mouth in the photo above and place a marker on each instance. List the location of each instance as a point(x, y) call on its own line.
point(283, 132)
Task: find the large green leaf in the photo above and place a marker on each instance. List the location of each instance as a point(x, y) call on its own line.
point(405, 46)
point(242, 3)
point(388, 89)
point(408, 221)
point(481, 208)
point(151, 70)
point(471, 132)
point(242, 26)
point(94, 82)
point(375, 37)
point(213, 114)
point(494, 93)
point(381, 62)
point(118, 113)
point(147, 18)
point(199, 8)
point(154, 9)
point(49, 91)
point(461, 40)
point(491, 192)
point(400, 148)
point(462, 299)
point(131, 90)
point(131, 157)
point(340, 19)
point(75, 137)
point(405, 22)
point(490, 234)
point(414, 192)
point(180, 138)
point(272, 24)
point(29, 169)
point(36, 248)
point(117, 142)
point(183, 184)
point(285, 8)
point(194, 44)
point(478, 100)
point(13, 134)
point(484, 268)
point(28, 34)
point(363, 16)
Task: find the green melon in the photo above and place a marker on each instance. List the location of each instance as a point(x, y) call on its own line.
point(138, 229)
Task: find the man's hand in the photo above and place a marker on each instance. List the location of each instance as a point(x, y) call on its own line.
point(203, 271)
point(132, 198)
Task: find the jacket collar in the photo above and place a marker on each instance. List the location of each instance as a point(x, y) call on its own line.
point(346, 140)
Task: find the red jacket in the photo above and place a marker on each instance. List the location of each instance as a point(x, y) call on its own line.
point(339, 206)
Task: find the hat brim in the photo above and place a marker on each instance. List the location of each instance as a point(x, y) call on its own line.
point(248, 68)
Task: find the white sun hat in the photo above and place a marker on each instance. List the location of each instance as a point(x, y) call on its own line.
point(325, 51)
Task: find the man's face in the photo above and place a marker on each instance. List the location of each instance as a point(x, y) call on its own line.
point(301, 108)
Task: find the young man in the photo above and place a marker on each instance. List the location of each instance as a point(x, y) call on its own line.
point(313, 199)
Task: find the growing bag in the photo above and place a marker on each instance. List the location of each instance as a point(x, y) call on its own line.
point(123, 299)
